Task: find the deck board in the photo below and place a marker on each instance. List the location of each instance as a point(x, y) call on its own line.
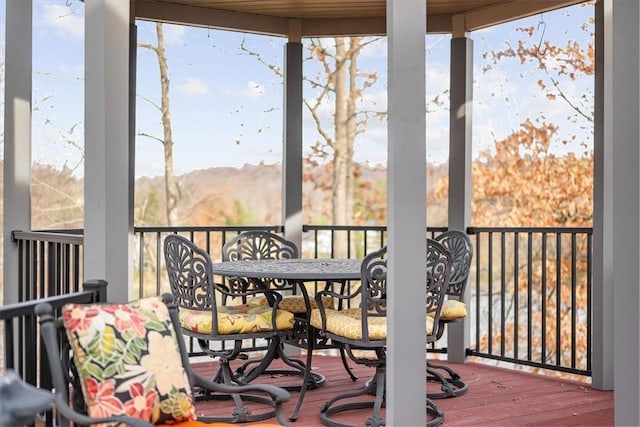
point(496, 397)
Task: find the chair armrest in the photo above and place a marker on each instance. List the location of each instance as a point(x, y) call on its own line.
point(20, 402)
point(270, 294)
point(318, 297)
point(70, 414)
point(278, 394)
point(339, 295)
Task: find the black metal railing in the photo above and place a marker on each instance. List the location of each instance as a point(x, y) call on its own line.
point(23, 350)
point(50, 263)
point(530, 288)
point(530, 297)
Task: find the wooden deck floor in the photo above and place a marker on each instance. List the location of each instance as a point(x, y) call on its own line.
point(496, 397)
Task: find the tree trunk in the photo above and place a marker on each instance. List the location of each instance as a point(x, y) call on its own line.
point(171, 190)
point(346, 93)
point(341, 159)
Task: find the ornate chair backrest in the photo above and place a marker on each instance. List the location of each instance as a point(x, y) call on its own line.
point(373, 276)
point(374, 284)
point(190, 274)
point(250, 245)
point(459, 245)
point(439, 271)
point(258, 245)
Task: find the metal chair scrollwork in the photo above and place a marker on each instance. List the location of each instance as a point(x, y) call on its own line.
point(365, 328)
point(205, 316)
point(454, 310)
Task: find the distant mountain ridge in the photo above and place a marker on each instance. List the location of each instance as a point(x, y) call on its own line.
point(58, 196)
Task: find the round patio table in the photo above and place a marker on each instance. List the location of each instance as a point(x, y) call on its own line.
point(294, 272)
point(302, 270)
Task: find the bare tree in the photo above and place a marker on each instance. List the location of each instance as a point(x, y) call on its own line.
point(342, 84)
point(170, 184)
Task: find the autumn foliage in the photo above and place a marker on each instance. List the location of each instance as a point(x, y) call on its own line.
point(535, 290)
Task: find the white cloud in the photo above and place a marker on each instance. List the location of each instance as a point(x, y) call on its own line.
point(253, 90)
point(377, 49)
point(63, 21)
point(174, 34)
point(374, 101)
point(193, 86)
point(436, 80)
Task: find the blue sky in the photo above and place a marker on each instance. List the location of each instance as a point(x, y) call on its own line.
point(226, 107)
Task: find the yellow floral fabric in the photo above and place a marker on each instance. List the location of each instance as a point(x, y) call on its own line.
point(128, 361)
point(236, 319)
point(452, 310)
point(294, 303)
point(348, 323)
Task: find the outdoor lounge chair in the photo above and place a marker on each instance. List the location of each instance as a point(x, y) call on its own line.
point(365, 328)
point(453, 310)
point(129, 365)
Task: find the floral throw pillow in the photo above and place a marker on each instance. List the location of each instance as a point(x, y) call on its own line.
point(128, 361)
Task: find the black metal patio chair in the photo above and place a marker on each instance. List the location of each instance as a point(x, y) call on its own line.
point(453, 310)
point(127, 364)
point(258, 244)
point(363, 330)
point(218, 316)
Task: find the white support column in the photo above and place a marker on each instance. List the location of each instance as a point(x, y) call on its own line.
point(108, 227)
point(17, 136)
point(406, 204)
point(602, 296)
point(292, 149)
point(626, 210)
point(461, 89)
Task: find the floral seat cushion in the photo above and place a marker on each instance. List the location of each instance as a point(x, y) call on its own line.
point(453, 310)
point(128, 361)
point(235, 319)
point(348, 323)
point(294, 303)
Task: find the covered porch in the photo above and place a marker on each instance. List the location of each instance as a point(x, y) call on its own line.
point(110, 36)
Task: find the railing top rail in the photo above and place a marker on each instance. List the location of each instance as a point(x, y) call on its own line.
point(48, 236)
point(196, 228)
point(26, 307)
point(563, 230)
point(309, 227)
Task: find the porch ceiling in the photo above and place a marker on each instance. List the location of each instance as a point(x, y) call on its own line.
point(307, 18)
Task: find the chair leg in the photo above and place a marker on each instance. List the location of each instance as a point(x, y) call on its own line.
point(225, 375)
point(240, 413)
point(370, 388)
point(374, 387)
point(245, 376)
point(450, 385)
point(308, 377)
point(434, 413)
point(345, 363)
